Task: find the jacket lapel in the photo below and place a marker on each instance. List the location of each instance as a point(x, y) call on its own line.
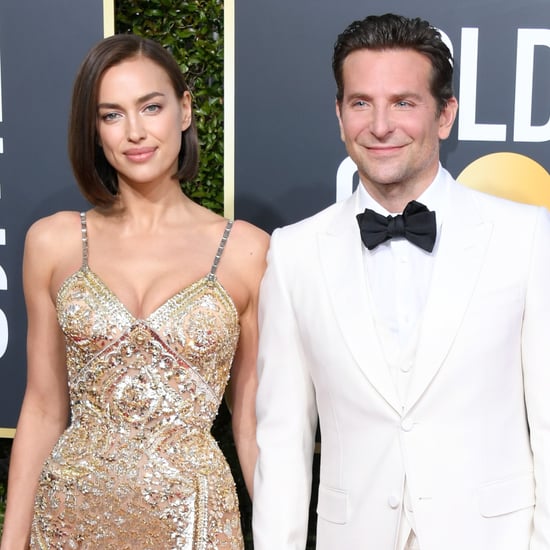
point(460, 256)
point(340, 251)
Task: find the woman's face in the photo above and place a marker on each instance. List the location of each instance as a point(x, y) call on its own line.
point(140, 120)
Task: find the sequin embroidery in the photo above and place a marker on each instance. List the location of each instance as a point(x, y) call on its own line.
point(138, 468)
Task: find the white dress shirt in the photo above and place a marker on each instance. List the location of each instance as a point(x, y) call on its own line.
point(398, 274)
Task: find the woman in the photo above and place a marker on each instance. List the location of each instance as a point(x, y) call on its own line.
point(137, 311)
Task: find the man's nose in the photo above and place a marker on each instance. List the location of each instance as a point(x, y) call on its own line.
point(381, 122)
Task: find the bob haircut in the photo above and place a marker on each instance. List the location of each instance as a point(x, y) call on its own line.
point(96, 178)
point(390, 32)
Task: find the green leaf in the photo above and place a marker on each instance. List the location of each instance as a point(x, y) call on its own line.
point(193, 30)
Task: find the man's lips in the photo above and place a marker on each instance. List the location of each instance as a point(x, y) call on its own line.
point(381, 149)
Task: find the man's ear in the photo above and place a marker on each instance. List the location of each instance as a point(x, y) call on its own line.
point(339, 117)
point(447, 117)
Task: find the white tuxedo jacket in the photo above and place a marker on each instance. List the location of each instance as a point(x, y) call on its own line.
point(473, 435)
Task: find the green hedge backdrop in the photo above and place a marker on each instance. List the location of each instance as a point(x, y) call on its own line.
point(193, 32)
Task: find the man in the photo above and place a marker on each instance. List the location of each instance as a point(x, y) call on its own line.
point(424, 350)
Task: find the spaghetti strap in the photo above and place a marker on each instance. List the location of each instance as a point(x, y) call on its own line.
point(84, 233)
point(225, 236)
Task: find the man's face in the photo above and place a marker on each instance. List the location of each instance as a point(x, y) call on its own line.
point(389, 122)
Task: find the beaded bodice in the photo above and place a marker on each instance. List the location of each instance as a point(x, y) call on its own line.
point(152, 374)
point(138, 453)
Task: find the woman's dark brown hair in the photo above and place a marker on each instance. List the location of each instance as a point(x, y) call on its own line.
point(95, 176)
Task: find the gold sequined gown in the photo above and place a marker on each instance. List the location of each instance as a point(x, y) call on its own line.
point(138, 468)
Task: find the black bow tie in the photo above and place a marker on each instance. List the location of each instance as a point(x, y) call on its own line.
point(416, 224)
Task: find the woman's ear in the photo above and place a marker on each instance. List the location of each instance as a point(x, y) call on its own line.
point(186, 110)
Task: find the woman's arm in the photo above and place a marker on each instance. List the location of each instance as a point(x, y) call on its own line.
point(244, 380)
point(44, 413)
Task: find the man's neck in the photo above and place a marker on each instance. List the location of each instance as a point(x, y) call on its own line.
point(395, 197)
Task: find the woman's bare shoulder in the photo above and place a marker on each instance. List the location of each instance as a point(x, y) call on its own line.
point(55, 226)
point(250, 237)
point(53, 235)
point(247, 250)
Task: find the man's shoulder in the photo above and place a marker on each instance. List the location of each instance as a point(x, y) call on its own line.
point(296, 242)
point(496, 206)
point(314, 223)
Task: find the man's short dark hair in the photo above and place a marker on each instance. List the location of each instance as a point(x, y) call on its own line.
point(390, 32)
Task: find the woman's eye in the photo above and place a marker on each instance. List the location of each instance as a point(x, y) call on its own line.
point(109, 117)
point(152, 108)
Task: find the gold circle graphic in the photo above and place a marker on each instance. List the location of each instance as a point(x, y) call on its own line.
point(509, 175)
